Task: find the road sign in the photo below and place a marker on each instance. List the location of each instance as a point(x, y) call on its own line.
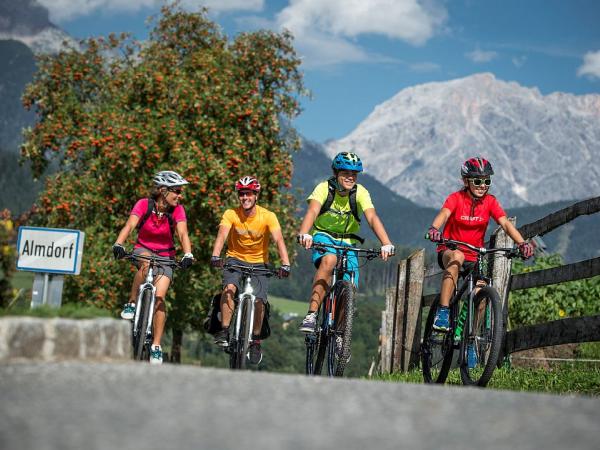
point(50, 250)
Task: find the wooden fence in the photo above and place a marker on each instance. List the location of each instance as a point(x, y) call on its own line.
point(401, 321)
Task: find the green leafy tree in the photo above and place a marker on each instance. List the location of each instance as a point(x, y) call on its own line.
point(7, 257)
point(553, 302)
point(189, 99)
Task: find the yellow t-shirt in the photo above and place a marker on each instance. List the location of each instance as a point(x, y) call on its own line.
point(339, 218)
point(249, 237)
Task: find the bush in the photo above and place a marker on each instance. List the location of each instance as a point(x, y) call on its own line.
point(553, 302)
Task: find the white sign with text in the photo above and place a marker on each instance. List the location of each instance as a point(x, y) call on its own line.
point(51, 250)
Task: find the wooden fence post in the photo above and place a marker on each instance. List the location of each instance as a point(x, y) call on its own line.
point(412, 311)
point(502, 266)
point(400, 295)
point(387, 331)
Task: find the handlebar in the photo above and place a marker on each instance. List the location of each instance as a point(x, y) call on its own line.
point(248, 270)
point(368, 253)
point(153, 260)
point(509, 252)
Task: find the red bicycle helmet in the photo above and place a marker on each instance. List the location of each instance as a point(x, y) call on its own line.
point(248, 183)
point(476, 167)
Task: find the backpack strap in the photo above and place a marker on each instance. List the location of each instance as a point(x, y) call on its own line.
point(331, 188)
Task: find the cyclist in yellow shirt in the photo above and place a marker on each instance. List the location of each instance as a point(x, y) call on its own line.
point(247, 230)
point(334, 210)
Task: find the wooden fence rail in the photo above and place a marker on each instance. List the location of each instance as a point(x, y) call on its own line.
point(401, 321)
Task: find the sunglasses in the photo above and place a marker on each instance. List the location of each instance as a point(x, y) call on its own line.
point(480, 181)
point(176, 191)
point(245, 193)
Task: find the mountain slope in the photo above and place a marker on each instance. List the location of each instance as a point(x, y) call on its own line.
point(416, 141)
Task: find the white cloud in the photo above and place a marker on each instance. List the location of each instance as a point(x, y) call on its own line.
point(481, 56)
point(324, 30)
point(591, 65)
point(65, 10)
point(519, 61)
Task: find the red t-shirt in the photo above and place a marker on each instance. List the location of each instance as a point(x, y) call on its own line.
point(469, 219)
point(156, 232)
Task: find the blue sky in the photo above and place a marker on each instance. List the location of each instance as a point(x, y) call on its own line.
point(359, 53)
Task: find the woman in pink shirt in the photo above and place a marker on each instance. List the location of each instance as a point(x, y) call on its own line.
point(465, 216)
point(157, 219)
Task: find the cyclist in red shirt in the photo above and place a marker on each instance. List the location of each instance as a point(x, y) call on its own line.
point(157, 219)
point(465, 216)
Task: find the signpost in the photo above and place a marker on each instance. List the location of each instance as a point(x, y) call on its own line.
point(51, 253)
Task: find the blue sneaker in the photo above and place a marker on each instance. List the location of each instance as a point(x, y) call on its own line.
point(128, 311)
point(471, 356)
point(441, 321)
point(156, 355)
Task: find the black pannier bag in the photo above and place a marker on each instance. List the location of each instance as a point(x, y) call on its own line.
point(212, 322)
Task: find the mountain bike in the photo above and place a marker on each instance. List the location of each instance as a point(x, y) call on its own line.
point(141, 326)
point(240, 336)
point(477, 323)
point(330, 342)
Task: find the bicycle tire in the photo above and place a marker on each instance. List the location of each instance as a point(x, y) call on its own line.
point(237, 357)
point(437, 349)
point(314, 352)
point(321, 349)
point(338, 358)
point(139, 350)
point(487, 338)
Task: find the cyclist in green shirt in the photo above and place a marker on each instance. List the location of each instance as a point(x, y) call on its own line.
point(333, 217)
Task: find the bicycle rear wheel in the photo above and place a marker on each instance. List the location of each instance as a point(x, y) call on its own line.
point(341, 339)
point(437, 348)
point(486, 338)
point(140, 350)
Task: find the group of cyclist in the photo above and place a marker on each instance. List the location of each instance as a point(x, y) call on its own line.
point(333, 216)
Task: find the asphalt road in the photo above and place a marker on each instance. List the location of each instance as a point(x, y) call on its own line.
point(86, 406)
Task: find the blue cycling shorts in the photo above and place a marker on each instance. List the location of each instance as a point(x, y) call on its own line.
point(323, 238)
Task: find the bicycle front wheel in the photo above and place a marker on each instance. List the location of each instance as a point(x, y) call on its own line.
point(437, 348)
point(239, 343)
point(341, 339)
point(316, 345)
point(140, 350)
point(480, 349)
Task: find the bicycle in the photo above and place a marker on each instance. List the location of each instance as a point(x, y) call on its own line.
point(479, 323)
point(240, 338)
point(333, 334)
point(141, 326)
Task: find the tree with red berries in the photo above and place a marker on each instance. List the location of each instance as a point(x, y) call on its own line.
point(115, 111)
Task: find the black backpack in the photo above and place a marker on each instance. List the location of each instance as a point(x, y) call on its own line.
point(331, 188)
point(146, 216)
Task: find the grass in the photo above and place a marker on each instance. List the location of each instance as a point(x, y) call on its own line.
point(569, 378)
point(69, 310)
point(287, 306)
point(22, 280)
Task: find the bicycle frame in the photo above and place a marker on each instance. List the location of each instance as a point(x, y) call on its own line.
point(248, 299)
point(470, 284)
point(239, 342)
point(326, 329)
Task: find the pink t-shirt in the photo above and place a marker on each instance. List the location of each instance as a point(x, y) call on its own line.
point(469, 219)
point(156, 232)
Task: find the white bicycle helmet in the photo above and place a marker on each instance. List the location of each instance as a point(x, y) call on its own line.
point(169, 178)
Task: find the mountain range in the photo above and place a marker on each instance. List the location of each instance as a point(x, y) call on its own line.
point(539, 144)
